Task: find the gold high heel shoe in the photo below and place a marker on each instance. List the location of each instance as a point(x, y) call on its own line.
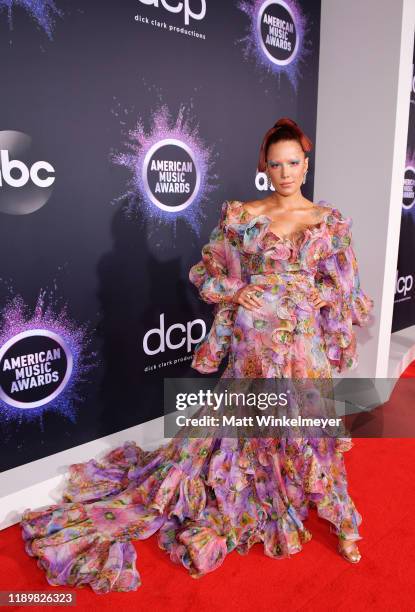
point(349, 551)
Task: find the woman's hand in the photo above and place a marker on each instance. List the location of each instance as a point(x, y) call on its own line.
point(315, 299)
point(249, 296)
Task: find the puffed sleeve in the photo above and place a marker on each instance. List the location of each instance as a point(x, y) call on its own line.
point(338, 282)
point(210, 351)
point(218, 274)
point(217, 277)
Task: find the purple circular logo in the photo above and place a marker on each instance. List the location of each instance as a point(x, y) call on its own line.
point(409, 188)
point(35, 367)
point(170, 175)
point(277, 32)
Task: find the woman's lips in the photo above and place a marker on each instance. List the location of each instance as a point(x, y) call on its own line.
point(286, 184)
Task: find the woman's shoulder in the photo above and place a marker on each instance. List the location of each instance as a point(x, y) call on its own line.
point(253, 207)
point(237, 211)
point(337, 227)
point(329, 206)
point(334, 217)
point(233, 211)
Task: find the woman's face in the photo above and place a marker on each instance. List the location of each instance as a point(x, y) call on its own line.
point(286, 165)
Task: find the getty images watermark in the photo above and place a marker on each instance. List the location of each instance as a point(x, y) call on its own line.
point(234, 400)
point(291, 408)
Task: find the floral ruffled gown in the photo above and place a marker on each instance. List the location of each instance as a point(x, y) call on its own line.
point(207, 497)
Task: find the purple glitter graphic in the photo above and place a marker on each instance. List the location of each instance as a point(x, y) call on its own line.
point(44, 12)
point(139, 143)
point(254, 45)
point(16, 318)
point(408, 207)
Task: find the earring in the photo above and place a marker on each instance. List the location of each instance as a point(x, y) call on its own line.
point(269, 182)
point(305, 176)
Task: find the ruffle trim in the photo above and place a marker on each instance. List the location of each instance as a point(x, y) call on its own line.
point(343, 515)
point(338, 319)
point(236, 499)
point(331, 234)
point(72, 552)
point(210, 351)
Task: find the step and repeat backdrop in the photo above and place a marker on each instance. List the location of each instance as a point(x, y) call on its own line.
point(404, 304)
point(124, 127)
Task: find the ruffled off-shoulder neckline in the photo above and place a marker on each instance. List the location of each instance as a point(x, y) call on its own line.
point(236, 218)
point(333, 228)
point(240, 215)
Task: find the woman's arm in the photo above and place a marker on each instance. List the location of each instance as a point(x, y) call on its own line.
point(338, 282)
point(218, 274)
point(210, 275)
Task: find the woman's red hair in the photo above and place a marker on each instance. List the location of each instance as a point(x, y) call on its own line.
point(284, 129)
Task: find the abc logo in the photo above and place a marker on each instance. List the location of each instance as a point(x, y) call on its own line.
point(261, 182)
point(404, 284)
point(26, 183)
point(174, 337)
point(25, 173)
point(179, 7)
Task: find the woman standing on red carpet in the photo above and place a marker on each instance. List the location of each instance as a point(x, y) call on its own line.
point(283, 276)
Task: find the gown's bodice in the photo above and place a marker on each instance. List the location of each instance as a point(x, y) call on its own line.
point(284, 266)
point(243, 250)
point(263, 252)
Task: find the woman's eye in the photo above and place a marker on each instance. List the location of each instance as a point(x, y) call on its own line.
point(276, 164)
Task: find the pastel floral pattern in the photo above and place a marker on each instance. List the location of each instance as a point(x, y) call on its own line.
point(207, 497)
point(241, 250)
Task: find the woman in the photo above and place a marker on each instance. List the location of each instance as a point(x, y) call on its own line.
point(284, 278)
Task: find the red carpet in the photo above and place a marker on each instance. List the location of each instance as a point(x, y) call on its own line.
point(383, 487)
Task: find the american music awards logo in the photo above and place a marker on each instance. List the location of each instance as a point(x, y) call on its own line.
point(35, 367)
point(170, 169)
point(44, 356)
point(42, 12)
point(170, 175)
point(275, 38)
point(408, 200)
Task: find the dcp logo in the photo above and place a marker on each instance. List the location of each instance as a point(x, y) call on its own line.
point(404, 284)
point(180, 7)
point(26, 183)
point(170, 175)
point(174, 337)
point(277, 32)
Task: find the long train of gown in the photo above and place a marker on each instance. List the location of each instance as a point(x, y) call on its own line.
point(207, 497)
